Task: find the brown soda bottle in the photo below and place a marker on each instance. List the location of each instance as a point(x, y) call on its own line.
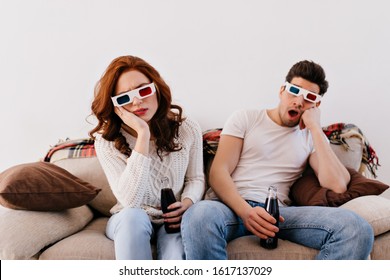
point(272, 207)
point(167, 198)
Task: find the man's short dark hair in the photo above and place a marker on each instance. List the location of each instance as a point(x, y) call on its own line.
point(310, 71)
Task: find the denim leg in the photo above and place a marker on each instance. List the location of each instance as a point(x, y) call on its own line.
point(206, 228)
point(337, 233)
point(131, 231)
point(169, 245)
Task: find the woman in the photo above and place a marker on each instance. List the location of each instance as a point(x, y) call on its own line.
point(143, 142)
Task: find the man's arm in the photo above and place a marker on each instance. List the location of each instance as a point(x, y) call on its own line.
point(256, 219)
point(331, 173)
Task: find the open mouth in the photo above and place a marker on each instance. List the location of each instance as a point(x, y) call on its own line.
point(293, 113)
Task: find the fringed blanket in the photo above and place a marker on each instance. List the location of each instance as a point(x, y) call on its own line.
point(337, 134)
point(71, 149)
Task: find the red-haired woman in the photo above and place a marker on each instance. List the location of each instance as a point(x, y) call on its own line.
point(143, 141)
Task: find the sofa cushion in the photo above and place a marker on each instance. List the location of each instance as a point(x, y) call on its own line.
point(307, 191)
point(381, 248)
point(42, 186)
point(78, 156)
point(25, 233)
point(248, 248)
point(374, 209)
point(90, 170)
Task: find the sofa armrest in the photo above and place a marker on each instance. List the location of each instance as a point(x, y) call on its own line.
point(23, 234)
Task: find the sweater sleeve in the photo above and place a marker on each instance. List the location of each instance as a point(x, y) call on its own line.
point(194, 182)
point(128, 177)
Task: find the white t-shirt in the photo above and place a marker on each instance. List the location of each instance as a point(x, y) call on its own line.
point(271, 154)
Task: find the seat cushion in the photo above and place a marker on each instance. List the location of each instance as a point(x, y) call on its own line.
point(89, 244)
point(248, 248)
point(381, 248)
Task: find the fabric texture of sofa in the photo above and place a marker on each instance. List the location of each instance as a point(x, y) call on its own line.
point(79, 233)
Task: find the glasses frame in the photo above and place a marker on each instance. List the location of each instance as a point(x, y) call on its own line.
point(303, 92)
point(133, 93)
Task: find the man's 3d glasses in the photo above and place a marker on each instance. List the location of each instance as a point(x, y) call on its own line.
point(307, 95)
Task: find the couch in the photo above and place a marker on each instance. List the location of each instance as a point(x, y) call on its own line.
point(79, 233)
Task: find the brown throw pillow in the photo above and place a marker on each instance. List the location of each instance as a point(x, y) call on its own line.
point(43, 186)
point(307, 191)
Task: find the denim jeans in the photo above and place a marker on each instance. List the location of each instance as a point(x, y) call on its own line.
point(133, 232)
point(337, 233)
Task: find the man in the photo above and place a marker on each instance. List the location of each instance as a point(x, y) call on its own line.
point(260, 148)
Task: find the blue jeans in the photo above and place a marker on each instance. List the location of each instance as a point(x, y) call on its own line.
point(133, 232)
point(337, 233)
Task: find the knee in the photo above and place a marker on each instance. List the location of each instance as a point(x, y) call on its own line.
point(201, 213)
point(363, 231)
point(133, 220)
point(356, 229)
point(205, 215)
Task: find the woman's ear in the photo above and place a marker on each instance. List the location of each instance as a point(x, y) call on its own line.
point(318, 103)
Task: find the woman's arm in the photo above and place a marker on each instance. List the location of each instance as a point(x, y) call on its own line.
point(128, 177)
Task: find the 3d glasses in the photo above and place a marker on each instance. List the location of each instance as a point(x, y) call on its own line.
point(307, 95)
point(128, 97)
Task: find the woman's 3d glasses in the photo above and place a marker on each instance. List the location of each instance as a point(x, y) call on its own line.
point(128, 97)
point(307, 95)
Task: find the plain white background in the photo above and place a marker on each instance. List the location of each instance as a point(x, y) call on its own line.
point(217, 56)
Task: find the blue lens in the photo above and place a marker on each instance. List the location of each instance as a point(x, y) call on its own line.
point(123, 99)
point(294, 90)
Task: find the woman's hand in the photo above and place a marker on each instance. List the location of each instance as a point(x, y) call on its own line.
point(139, 126)
point(131, 120)
point(174, 217)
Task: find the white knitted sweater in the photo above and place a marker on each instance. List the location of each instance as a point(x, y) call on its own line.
point(136, 180)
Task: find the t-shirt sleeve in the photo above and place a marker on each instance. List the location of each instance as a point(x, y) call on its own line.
point(236, 124)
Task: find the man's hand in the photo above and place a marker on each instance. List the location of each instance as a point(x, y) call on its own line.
point(311, 119)
point(258, 221)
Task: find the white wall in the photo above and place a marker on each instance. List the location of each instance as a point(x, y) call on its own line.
point(217, 56)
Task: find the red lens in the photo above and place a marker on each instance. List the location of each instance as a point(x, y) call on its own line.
point(311, 97)
point(145, 91)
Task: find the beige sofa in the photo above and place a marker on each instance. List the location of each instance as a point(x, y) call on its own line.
point(79, 233)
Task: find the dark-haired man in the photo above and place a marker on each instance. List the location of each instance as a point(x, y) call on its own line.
point(260, 148)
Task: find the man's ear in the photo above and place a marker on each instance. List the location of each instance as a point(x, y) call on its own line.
point(282, 88)
point(318, 103)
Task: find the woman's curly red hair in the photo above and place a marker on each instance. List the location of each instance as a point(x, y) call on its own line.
point(164, 125)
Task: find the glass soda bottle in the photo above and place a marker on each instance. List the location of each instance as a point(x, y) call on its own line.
point(167, 198)
point(272, 207)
